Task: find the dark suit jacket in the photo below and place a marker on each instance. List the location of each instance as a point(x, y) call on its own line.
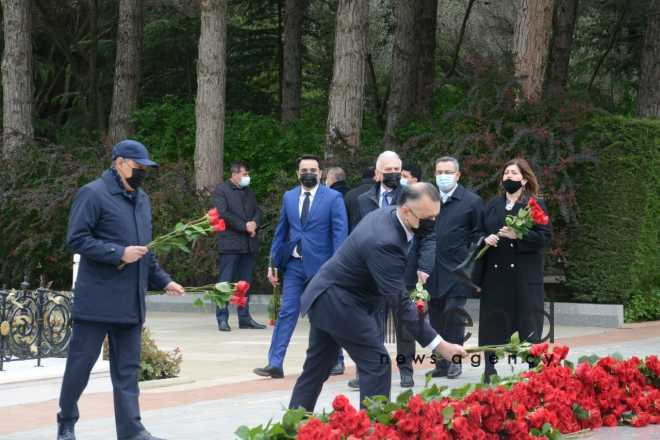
point(341, 187)
point(422, 252)
point(352, 204)
point(459, 224)
point(366, 272)
point(237, 206)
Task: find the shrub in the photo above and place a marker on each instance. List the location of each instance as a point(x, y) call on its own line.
point(613, 250)
point(154, 363)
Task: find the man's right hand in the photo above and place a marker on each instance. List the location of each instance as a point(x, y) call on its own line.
point(449, 351)
point(272, 277)
point(134, 253)
point(251, 227)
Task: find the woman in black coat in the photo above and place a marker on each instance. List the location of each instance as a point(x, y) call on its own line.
point(512, 280)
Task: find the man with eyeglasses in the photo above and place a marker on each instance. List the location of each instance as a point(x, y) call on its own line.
point(110, 225)
point(459, 225)
point(343, 300)
point(312, 226)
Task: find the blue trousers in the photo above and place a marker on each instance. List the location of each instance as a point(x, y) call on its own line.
point(233, 268)
point(84, 349)
point(293, 285)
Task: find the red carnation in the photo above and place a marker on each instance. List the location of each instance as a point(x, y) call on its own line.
point(213, 215)
point(240, 301)
point(219, 225)
point(241, 288)
point(341, 403)
point(537, 350)
point(421, 306)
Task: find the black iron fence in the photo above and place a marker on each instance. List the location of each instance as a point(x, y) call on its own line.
point(34, 324)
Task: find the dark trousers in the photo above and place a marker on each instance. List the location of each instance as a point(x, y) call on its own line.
point(233, 268)
point(362, 343)
point(84, 349)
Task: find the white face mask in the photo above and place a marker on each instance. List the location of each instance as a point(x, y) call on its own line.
point(445, 182)
point(403, 181)
point(245, 181)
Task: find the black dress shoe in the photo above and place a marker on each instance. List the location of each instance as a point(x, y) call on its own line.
point(251, 323)
point(223, 326)
point(440, 370)
point(454, 371)
point(354, 383)
point(407, 381)
point(338, 369)
point(142, 435)
point(268, 371)
point(65, 432)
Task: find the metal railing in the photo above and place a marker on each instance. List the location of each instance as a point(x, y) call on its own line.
point(34, 324)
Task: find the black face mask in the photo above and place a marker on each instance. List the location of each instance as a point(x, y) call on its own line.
point(511, 186)
point(426, 227)
point(137, 177)
point(309, 180)
point(391, 180)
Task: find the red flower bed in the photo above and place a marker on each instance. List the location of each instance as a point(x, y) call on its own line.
point(551, 399)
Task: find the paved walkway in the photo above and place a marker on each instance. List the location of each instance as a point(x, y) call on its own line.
point(217, 392)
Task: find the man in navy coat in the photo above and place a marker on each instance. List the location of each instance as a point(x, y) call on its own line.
point(346, 296)
point(110, 224)
point(458, 226)
point(312, 226)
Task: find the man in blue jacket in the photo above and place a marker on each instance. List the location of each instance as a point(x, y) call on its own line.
point(312, 226)
point(110, 224)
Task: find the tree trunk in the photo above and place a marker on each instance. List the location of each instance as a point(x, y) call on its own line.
point(294, 16)
point(16, 76)
point(564, 17)
point(405, 56)
point(532, 35)
point(346, 100)
point(127, 69)
point(92, 93)
point(210, 102)
point(648, 98)
point(426, 26)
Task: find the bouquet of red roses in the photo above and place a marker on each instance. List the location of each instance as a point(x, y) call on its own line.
point(219, 294)
point(523, 221)
point(185, 234)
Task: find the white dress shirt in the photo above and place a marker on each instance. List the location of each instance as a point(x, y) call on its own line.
point(409, 236)
point(446, 196)
point(301, 200)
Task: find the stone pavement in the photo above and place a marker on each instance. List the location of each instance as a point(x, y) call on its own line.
point(217, 392)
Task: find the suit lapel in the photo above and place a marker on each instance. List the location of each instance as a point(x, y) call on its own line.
point(293, 205)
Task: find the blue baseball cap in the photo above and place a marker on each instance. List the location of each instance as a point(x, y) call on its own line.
point(134, 150)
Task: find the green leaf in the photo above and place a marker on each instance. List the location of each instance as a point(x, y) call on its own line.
point(515, 338)
point(617, 356)
point(198, 303)
point(243, 433)
point(182, 247)
point(448, 414)
point(569, 364)
point(179, 227)
point(419, 286)
point(292, 417)
point(404, 397)
point(224, 287)
point(580, 412)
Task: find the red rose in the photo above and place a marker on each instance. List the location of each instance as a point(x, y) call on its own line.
point(421, 306)
point(341, 403)
point(213, 215)
point(241, 288)
point(240, 301)
point(537, 350)
point(610, 420)
point(219, 225)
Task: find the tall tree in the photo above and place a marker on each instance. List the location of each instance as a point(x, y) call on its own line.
point(210, 102)
point(405, 57)
point(346, 100)
point(564, 18)
point(427, 15)
point(16, 75)
point(648, 97)
point(127, 69)
point(531, 42)
point(292, 48)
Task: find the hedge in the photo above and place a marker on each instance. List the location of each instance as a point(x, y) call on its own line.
point(613, 250)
